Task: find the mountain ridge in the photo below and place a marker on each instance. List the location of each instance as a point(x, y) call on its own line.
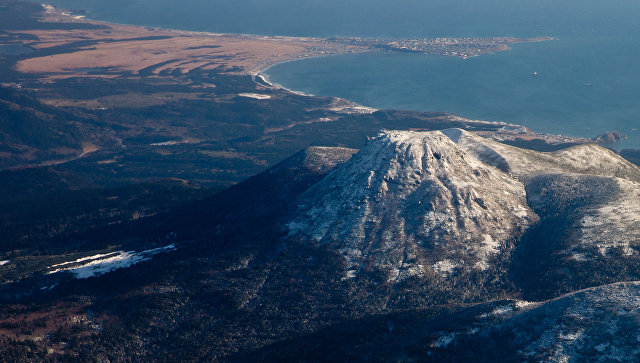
point(248, 274)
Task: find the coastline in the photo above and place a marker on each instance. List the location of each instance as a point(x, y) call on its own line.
point(262, 74)
point(324, 47)
point(265, 78)
point(259, 66)
point(350, 107)
point(508, 133)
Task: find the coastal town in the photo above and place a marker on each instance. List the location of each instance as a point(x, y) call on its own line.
point(455, 47)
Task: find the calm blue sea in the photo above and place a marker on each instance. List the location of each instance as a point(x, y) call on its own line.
point(588, 82)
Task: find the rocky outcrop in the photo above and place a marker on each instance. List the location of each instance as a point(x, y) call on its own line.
point(609, 137)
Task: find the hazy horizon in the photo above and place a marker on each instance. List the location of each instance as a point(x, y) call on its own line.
point(377, 18)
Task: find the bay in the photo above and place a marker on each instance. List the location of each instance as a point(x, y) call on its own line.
point(588, 79)
point(574, 95)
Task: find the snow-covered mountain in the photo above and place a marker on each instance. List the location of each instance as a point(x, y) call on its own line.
point(414, 203)
point(422, 245)
point(446, 202)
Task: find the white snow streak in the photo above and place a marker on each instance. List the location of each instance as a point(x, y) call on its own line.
point(256, 96)
point(103, 263)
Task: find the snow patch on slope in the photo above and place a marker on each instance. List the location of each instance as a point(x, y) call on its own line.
point(102, 263)
point(445, 267)
point(605, 318)
point(256, 96)
point(616, 224)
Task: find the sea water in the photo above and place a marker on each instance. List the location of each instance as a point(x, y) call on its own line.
point(587, 83)
point(545, 86)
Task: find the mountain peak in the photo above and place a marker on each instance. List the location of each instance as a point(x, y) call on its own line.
point(414, 203)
